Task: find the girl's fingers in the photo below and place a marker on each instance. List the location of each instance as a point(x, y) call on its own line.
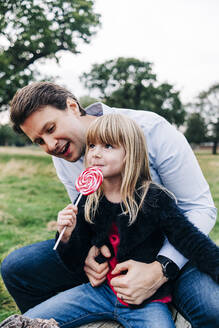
point(72, 207)
point(95, 275)
point(67, 212)
point(66, 217)
point(65, 223)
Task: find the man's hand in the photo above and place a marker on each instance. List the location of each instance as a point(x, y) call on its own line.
point(139, 283)
point(96, 272)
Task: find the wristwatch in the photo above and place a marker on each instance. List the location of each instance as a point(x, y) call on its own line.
point(169, 268)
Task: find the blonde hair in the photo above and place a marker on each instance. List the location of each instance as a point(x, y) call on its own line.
point(119, 130)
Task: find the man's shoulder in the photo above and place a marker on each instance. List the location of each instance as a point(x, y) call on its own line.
point(146, 119)
point(142, 117)
point(99, 109)
point(65, 168)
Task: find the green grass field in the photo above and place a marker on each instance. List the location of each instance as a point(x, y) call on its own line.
point(31, 196)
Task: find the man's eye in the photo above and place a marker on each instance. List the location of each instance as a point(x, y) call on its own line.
point(51, 129)
point(39, 142)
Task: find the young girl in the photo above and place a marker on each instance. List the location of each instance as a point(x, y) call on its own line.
point(132, 216)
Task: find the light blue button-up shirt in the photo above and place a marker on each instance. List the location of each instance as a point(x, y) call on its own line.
point(172, 164)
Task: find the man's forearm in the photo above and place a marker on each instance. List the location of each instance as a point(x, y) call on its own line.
point(204, 219)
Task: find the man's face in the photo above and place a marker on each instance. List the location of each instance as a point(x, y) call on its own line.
point(58, 132)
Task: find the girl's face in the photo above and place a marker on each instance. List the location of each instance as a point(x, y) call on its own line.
point(109, 158)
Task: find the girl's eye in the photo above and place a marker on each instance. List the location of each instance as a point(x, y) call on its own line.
point(91, 146)
point(108, 146)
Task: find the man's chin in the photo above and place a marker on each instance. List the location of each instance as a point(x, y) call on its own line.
point(73, 159)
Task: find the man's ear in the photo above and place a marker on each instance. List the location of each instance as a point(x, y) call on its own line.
point(72, 105)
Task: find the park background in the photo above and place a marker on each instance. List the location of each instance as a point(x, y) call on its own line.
point(151, 55)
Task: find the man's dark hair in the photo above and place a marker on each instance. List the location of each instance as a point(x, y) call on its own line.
point(35, 96)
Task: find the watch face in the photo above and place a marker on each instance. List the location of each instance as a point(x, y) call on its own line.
point(171, 270)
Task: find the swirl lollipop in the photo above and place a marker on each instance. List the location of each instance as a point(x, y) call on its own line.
point(89, 180)
point(87, 183)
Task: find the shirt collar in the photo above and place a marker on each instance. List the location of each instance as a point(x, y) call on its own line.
point(98, 109)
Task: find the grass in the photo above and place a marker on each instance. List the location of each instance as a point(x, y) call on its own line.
point(210, 167)
point(31, 196)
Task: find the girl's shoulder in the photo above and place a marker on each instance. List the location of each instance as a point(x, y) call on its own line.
point(158, 194)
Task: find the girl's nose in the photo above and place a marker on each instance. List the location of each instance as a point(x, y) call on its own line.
point(97, 152)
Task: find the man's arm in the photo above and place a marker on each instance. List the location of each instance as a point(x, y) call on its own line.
point(175, 165)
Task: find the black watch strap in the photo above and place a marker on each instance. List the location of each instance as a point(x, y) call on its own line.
point(169, 268)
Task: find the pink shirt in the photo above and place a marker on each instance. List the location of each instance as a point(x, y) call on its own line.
point(114, 240)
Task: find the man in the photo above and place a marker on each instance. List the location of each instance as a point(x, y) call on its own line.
point(52, 117)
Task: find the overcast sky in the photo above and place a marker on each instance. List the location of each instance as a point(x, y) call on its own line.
point(180, 37)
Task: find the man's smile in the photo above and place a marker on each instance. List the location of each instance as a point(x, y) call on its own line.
point(63, 150)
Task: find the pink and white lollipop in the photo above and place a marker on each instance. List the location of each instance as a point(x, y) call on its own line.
point(89, 180)
point(87, 183)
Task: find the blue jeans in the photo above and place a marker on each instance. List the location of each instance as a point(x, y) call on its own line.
point(85, 304)
point(35, 273)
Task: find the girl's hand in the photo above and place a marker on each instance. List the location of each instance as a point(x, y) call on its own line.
point(67, 218)
point(96, 272)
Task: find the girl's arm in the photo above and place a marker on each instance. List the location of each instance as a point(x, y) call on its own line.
point(74, 249)
point(187, 238)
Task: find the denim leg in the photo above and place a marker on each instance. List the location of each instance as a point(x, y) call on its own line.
point(85, 304)
point(77, 306)
point(152, 315)
point(35, 273)
point(196, 296)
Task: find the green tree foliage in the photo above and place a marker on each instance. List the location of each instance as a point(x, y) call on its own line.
point(207, 104)
point(85, 101)
point(34, 29)
point(9, 138)
point(131, 83)
point(196, 131)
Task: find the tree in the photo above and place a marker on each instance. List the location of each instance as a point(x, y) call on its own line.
point(196, 129)
point(207, 104)
point(131, 83)
point(85, 101)
point(8, 137)
point(36, 29)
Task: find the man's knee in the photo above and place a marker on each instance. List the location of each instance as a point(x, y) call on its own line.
point(10, 266)
point(196, 296)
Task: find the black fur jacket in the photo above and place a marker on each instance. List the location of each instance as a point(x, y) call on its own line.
point(142, 240)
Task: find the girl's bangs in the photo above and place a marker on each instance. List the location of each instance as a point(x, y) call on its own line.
point(105, 133)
